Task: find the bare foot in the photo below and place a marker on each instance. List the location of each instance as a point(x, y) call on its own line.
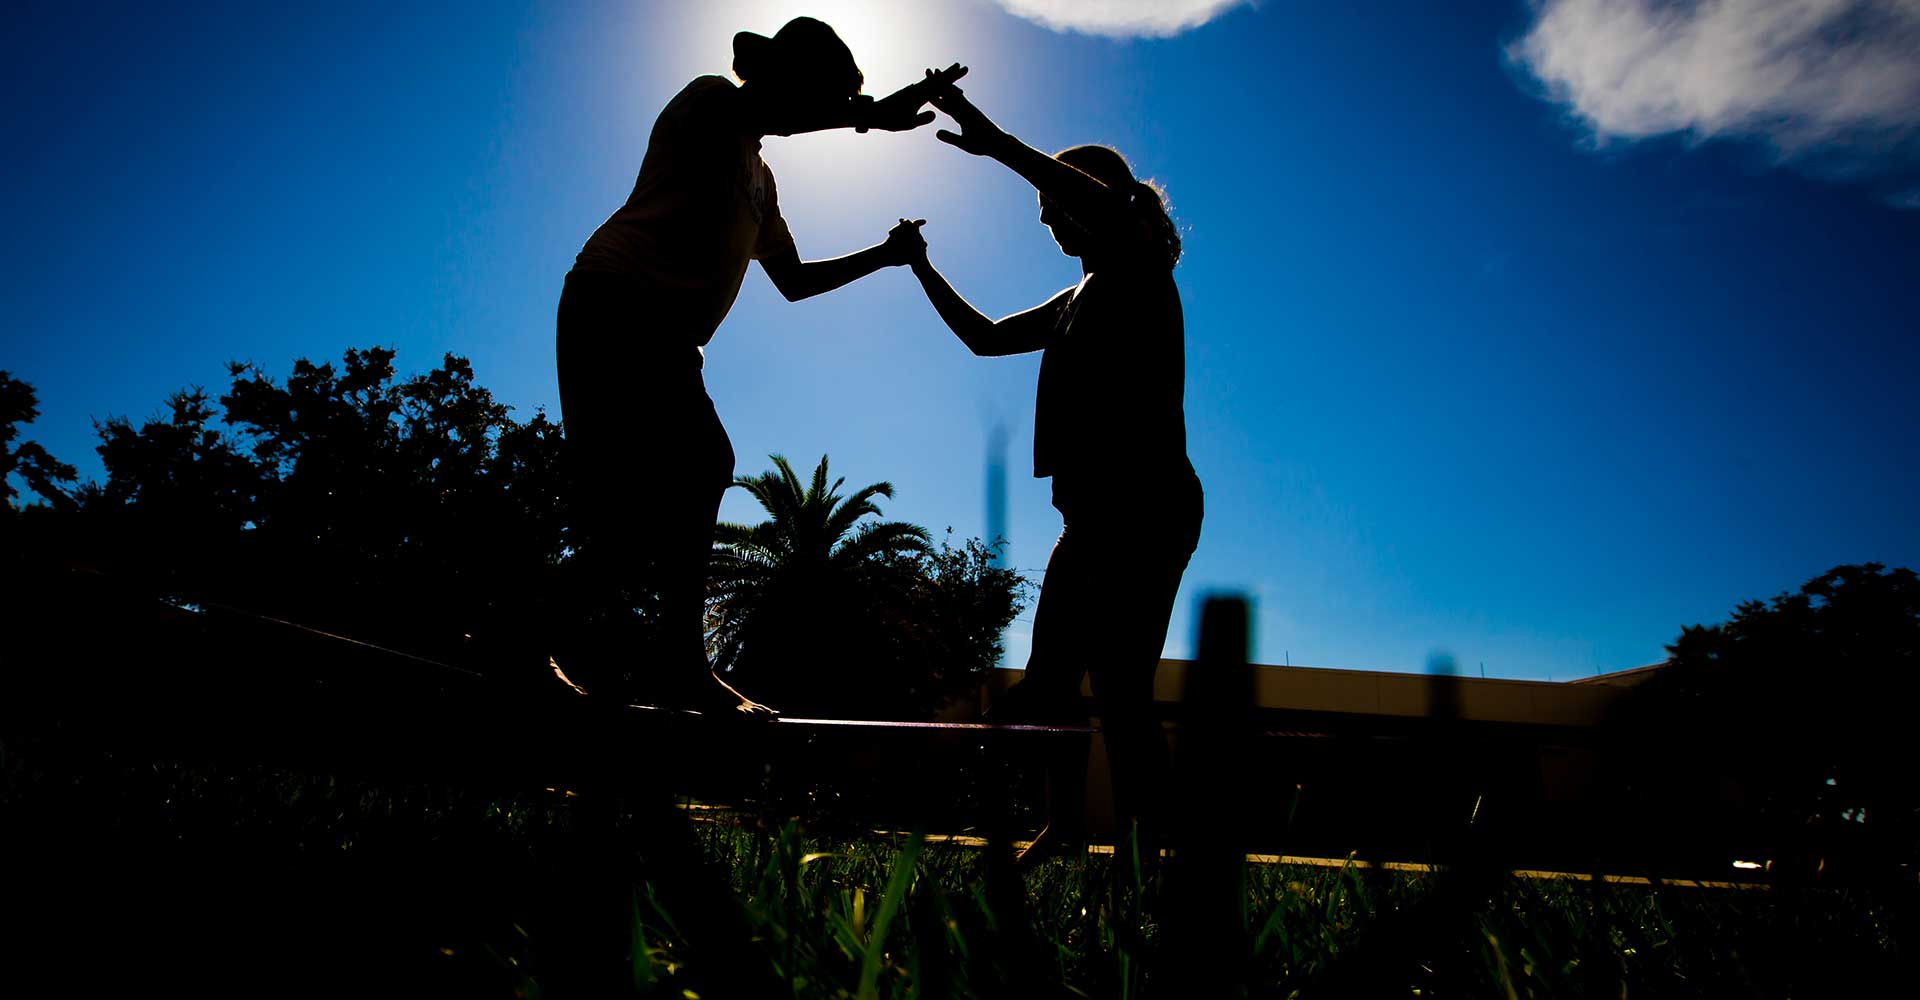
point(745, 706)
point(1049, 844)
point(709, 695)
point(564, 679)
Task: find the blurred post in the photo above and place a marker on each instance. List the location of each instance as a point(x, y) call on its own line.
point(1206, 927)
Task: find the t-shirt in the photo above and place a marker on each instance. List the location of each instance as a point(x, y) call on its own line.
point(703, 206)
point(1111, 398)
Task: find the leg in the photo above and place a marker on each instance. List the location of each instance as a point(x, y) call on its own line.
point(1140, 578)
point(671, 530)
point(649, 463)
point(672, 517)
point(1050, 694)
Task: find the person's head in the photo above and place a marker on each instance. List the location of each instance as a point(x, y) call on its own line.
point(803, 66)
point(1107, 166)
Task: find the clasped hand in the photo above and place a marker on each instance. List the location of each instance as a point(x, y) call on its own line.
point(904, 244)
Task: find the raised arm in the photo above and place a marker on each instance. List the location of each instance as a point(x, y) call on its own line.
point(900, 110)
point(1020, 333)
point(1090, 203)
point(896, 112)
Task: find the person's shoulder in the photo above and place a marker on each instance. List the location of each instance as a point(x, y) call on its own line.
point(707, 83)
point(700, 92)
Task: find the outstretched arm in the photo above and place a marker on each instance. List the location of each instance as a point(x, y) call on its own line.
point(1016, 334)
point(896, 112)
point(1085, 199)
point(802, 279)
point(900, 110)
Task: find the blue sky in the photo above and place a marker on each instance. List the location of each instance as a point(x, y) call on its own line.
point(1492, 350)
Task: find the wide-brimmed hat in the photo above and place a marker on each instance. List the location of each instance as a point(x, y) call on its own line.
point(804, 43)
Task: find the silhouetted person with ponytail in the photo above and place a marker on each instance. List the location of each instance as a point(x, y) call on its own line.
point(649, 456)
point(1110, 429)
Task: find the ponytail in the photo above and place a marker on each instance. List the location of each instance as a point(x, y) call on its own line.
point(1150, 204)
point(1147, 202)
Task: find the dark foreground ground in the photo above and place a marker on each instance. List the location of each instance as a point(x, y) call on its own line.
point(190, 806)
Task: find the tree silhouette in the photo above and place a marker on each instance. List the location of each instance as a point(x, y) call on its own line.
point(414, 512)
point(789, 587)
point(28, 460)
point(417, 513)
point(813, 591)
point(1787, 726)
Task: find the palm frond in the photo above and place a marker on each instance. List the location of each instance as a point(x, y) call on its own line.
point(884, 539)
point(818, 490)
point(856, 507)
point(815, 558)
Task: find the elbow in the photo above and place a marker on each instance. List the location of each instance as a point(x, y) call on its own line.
point(788, 277)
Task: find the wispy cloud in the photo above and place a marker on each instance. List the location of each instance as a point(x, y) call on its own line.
point(1830, 85)
point(1122, 18)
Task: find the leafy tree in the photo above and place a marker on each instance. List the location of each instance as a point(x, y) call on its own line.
point(415, 512)
point(788, 588)
point(1787, 724)
point(179, 495)
point(813, 593)
point(42, 472)
point(959, 607)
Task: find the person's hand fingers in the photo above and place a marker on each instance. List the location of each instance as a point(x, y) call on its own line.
point(956, 105)
point(949, 138)
point(922, 118)
point(941, 85)
point(948, 75)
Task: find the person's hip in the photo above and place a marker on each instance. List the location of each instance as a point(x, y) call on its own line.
point(1164, 506)
point(609, 323)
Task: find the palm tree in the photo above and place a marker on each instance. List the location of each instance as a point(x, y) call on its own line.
point(789, 586)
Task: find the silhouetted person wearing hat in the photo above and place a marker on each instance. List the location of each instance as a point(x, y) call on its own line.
point(1110, 429)
point(649, 456)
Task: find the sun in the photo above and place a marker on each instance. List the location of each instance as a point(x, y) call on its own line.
point(892, 40)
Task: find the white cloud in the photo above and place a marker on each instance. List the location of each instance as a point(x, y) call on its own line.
point(1832, 84)
point(1122, 18)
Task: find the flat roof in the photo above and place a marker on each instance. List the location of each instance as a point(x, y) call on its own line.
point(1386, 694)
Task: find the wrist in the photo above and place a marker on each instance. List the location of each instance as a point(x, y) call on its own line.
point(860, 114)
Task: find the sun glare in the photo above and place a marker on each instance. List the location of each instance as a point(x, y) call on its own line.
point(893, 42)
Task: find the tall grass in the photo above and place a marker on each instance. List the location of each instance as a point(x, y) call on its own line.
point(829, 910)
point(883, 916)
